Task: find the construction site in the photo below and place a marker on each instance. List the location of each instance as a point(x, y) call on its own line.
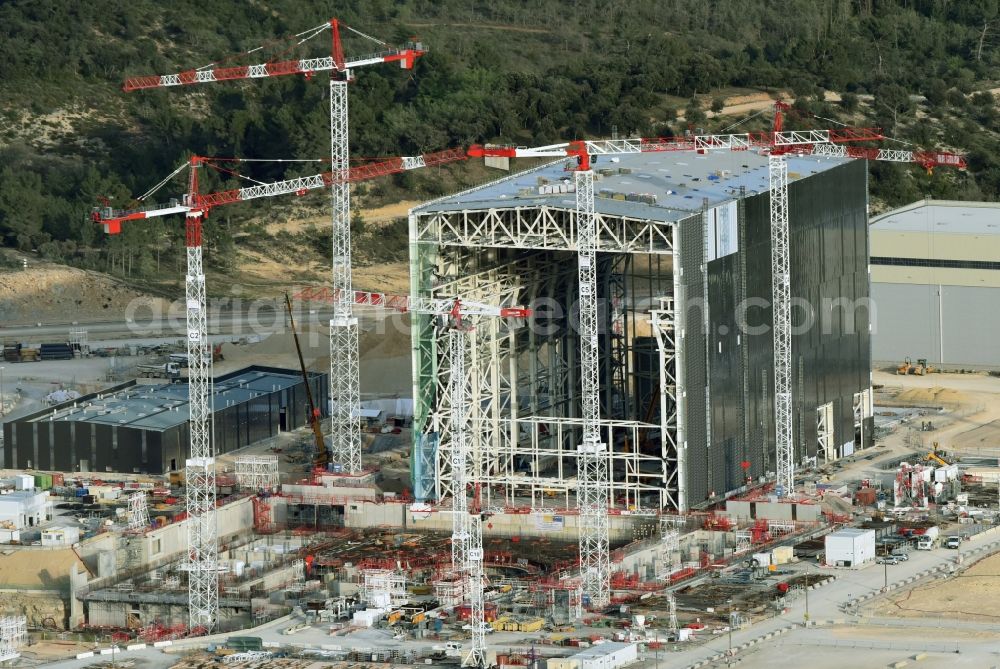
point(627, 410)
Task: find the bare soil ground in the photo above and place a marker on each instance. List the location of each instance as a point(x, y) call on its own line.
point(971, 421)
point(48, 292)
point(971, 595)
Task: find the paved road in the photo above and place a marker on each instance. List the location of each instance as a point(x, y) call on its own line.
point(830, 602)
point(143, 324)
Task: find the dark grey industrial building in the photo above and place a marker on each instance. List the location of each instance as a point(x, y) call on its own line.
point(684, 241)
point(144, 428)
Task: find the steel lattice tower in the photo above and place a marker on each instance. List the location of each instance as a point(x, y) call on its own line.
point(202, 560)
point(592, 468)
point(460, 531)
point(345, 425)
point(467, 531)
point(781, 309)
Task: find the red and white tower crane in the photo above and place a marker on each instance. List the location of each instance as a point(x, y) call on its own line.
point(344, 383)
point(202, 565)
point(467, 530)
point(593, 480)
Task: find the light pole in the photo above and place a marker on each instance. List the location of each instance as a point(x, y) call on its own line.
point(807, 600)
point(2, 411)
point(729, 655)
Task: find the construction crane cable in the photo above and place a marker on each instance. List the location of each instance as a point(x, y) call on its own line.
point(164, 182)
point(374, 39)
point(744, 120)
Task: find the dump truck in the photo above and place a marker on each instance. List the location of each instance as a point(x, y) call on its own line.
point(166, 370)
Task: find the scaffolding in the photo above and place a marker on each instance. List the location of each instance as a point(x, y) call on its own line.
point(384, 588)
point(449, 589)
point(138, 512)
point(78, 341)
point(528, 383)
point(257, 472)
point(13, 635)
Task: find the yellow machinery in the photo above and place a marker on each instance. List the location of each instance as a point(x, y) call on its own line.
point(934, 457)
point(905, 368)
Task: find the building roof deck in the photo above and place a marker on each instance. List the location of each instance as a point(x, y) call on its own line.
point(679, 182)
point(165, 405)
point(942, 217)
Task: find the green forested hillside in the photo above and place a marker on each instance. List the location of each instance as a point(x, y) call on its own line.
point(511, 70)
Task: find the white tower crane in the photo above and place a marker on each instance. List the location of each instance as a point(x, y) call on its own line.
point(467, 531)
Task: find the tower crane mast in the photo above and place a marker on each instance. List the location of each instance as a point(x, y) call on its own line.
point(467, 530)
point(593, 481)
point(344, 382)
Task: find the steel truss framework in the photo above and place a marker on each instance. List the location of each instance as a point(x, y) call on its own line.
point(257, 472)
point(13, 635)
point(525, 389)
point(345, 394)
point(781, 309)
point(138, 512)
point(384, 588)
point(524, 382)
point(542, 227)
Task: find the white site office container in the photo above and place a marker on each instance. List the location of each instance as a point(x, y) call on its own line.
point(850, 547)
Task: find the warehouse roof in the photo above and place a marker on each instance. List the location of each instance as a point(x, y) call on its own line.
point(850, 532)
point(600, 650)
point(658, 185)
point(942, 216)
point(165, 405)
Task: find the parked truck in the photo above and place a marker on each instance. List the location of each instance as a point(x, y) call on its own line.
point(166, 370)
point(928, 540)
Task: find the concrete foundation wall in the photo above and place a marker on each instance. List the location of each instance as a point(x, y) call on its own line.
point(552, 526)
point(747, 510)
point(167, 542)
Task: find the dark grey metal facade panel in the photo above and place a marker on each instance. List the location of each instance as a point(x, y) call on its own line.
point(908, 323)
point(700, 458)
point(830, 346)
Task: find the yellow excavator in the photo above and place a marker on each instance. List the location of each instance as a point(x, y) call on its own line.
point(905, 368)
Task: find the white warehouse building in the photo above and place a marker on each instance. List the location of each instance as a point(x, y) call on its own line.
point(935, 284)
point(609, 655)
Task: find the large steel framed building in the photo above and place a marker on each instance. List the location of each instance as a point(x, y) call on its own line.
point(144, 428)
point(684, 286)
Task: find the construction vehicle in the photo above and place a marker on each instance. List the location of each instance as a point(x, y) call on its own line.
point(166, 370)
point(923, 368)
point(935, 457)
point(321, 457)
point(905, 368)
